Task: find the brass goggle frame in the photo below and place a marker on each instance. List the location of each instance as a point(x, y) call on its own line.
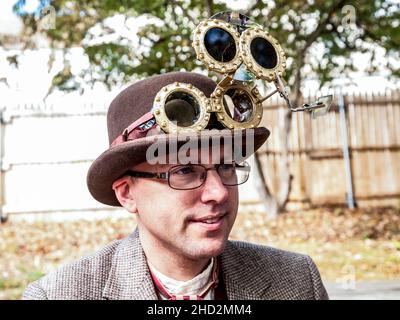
point(207, 106)
point(243, 39)
point(242, 47)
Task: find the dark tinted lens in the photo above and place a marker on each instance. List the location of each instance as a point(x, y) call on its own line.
point(182, 108)
point(238, 105)
point(264, 53)
point(220, 44)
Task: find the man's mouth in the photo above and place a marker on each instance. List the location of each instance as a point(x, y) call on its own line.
point(214, 220)
point(211, 222)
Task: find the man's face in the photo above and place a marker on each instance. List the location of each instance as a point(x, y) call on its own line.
point(175, 220)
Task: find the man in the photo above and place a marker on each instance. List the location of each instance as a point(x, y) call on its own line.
point(185, 212)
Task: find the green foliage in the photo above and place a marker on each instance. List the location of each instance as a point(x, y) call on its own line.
point(165, 44)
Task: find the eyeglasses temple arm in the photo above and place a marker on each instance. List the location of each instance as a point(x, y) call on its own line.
point(155, 175)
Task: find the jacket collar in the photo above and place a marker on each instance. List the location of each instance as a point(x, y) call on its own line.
point(129, 277)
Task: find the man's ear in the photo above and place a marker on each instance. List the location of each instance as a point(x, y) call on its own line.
point(122, 189)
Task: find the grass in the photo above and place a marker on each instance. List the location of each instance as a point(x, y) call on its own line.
point(12, 288)
point(363, 242)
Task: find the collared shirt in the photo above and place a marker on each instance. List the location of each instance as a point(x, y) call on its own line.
point(191, 287)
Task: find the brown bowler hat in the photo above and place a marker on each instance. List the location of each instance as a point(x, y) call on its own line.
point(130, 105)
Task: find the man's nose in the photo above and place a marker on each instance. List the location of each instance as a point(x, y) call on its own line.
point(213, 188)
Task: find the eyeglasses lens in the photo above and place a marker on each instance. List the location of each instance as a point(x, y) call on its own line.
point(186, 177)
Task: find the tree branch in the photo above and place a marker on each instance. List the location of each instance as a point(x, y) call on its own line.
point(209, 5)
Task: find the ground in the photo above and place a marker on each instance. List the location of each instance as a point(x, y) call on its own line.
point(366, 290)
point(350, 247)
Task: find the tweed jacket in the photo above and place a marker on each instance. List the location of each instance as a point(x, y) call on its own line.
point(119, 271)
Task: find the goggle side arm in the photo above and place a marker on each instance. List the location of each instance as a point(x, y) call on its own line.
point(321, 102)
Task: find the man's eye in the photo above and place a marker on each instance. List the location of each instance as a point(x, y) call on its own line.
point(184, 170)
point(227, 167)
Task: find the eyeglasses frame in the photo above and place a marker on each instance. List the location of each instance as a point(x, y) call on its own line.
point(165, 175)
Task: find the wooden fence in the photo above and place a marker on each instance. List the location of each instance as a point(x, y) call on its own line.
point(316, 154)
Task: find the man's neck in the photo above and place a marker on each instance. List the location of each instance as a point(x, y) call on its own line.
point(172, 265)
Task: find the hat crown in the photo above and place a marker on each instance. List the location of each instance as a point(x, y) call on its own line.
point(137, 99)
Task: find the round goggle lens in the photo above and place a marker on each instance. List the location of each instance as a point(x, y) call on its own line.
point(182, 109)
point(238, 105)
point(220, 44)
point(264, 53)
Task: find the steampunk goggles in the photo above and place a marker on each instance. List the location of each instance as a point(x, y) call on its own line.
point(231, 44)
point(227, 40)
point(181, 107)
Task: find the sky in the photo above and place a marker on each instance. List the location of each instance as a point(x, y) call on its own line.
point(30, 82)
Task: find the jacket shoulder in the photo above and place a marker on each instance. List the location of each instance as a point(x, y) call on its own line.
point(289, 271)
point(267, 254)
point(82, 279)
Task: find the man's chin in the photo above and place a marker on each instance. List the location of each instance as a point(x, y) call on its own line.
point(209, 250)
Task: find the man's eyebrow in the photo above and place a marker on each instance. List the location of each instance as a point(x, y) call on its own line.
point(161, 167)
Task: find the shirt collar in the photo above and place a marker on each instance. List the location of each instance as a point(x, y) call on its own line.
point(192, 286)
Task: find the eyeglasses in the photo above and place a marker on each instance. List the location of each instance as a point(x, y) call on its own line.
point(192, 176)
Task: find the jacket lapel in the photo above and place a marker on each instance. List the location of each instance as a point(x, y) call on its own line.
point(129, 277)
point(244, 279)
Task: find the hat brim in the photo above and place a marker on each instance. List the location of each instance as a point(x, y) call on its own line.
point(114, 162)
